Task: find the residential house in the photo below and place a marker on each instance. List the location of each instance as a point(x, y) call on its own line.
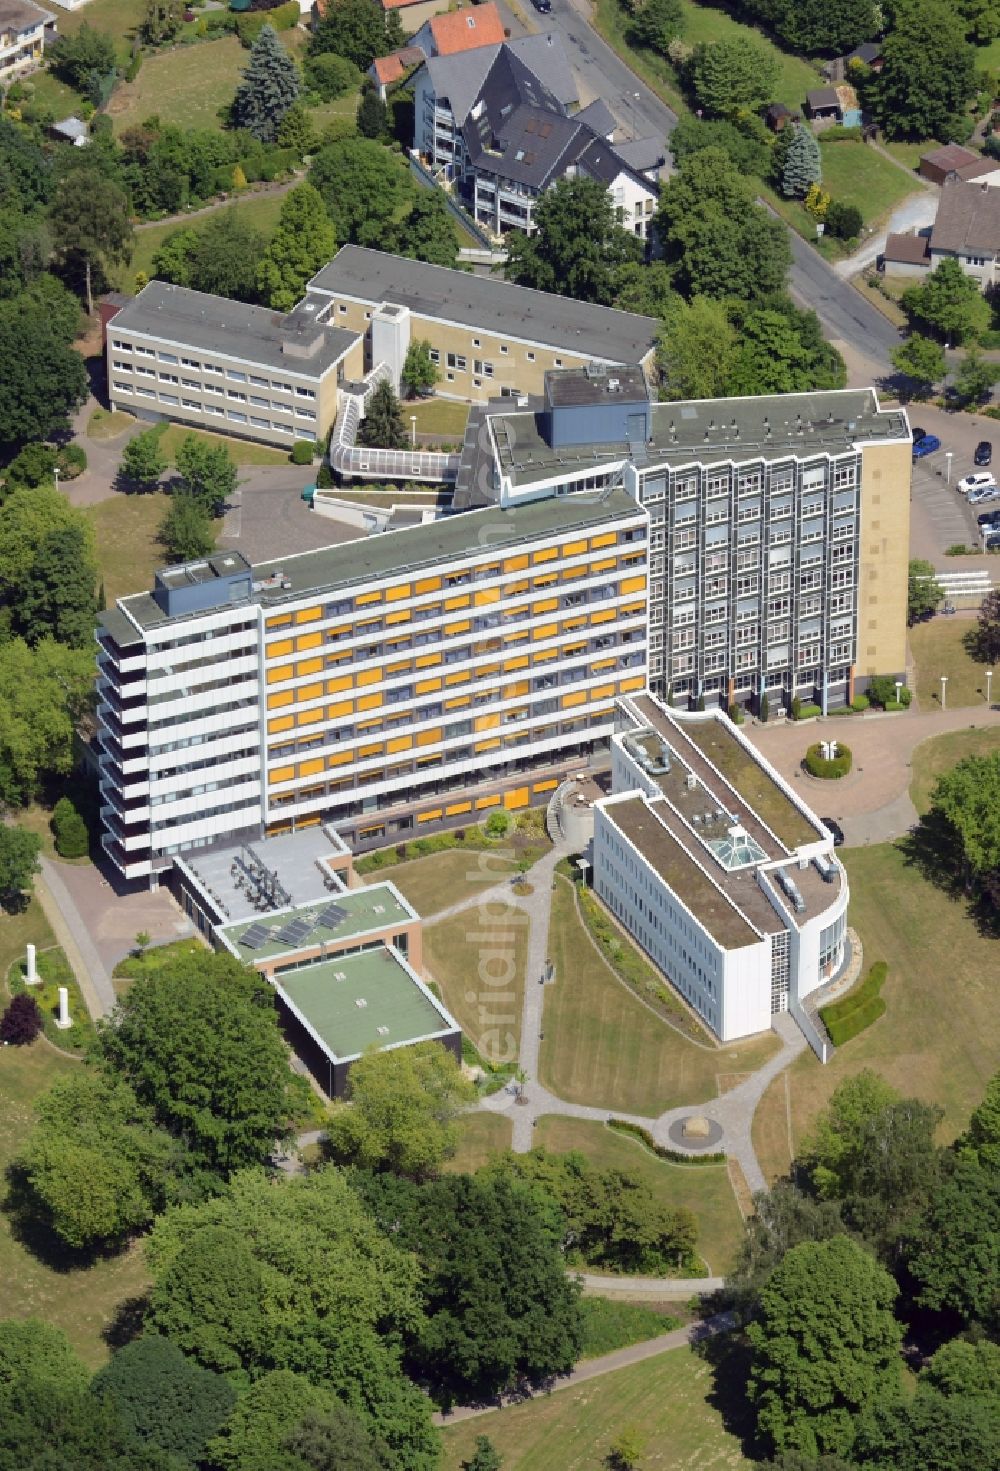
point(907, 255)
point(389, 71)
point(442, 35)
point(25, 31)
point(498, 122)
point(824, 102)
point(967, 229)
point(954, 164)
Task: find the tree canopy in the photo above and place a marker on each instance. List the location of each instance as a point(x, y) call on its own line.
point(928, 72)
point(164, 1399)
point(923, 591)
point(44, 691)
point(359, 30)
point(578, 248)
point(363, 186)
point(948, 305)
point(731, 74)
point(269, 88)
point(303, 241)
point(43, 380)
point(19, 851)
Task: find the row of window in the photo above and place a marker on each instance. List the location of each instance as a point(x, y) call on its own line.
point(216, 411)
point(234, 375)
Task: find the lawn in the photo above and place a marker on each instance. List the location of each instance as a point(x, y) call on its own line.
point(940, 1037)
point(478, 961)
point(704, 1189)
point(608, 1326)
point(79, 1300)
point(447, 878)
point(438, 416)
point(855, 173)
point(603, 1046)
point(671, 1401)
point(55, 971)
point(483, 1136)
point(909, 153)
point(933, 758)
point(184, 87)
point(260, 210)
point(128, 552)
point(108, 423)
point(241, 451)
point(938, 647)
point(987, 58)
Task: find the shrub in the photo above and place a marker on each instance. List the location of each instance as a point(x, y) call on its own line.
point(796, 707)
point(817, 765)
point(332, 76)
point(21, 1022)
point(843, 221)
point(805, 712)
point(881, 689)
point(735, 714)
point(69, 830)
point(850, 1015)
point(72, 461)
point(837, 132)
point(859, 703)
point(499, 824)
point(132, 70)
point(302, 452)
point(622, 1126)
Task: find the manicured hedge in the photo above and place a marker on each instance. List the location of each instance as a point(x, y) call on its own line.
point(816, 765)
point(808, 712)
point(847, 1017)
point(674, 1156)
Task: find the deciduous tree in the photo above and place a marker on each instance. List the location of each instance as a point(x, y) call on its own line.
point(983, 1137)
point(696, 350)
point(164, 1399)
point(143, 460)
point(186, 531)
point(731, 74)
point(825, 1346)
point(269, 88)
point(359, 30)
point(207, 472)
point(79, 57)
point(578, 247)
point(419, 371)
point(975, 377)
point(43, 379)
point(922, 361)
point(21, 1022)
point(924, 593)
point(36, 1350)
point(427, 232)
point(331, 75)
point(336, 1440)
point(928, 72)
point(91, 227)
point(968, 798)
point(988, 628)
point(655, 23)
point(948, 304)
point(363, 186)
point(303, 241)
point(783, 1217)
point(254, 1436)
point(225, 257)
point(372, 115)
point(19, 850)
point(43, 693)
point(57, 596)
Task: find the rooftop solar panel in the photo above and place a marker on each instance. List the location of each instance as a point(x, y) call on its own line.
point(332, 916)
point(294, 933)
point(255, 936)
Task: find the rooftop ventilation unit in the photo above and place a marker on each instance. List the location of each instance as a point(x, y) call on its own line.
point(361, 1002)
point(791, 888)
point(690, 781)
point(382, 1031)
point(340, 975)
point(825, 868)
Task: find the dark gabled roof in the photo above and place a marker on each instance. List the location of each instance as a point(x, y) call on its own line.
point(823, 97)
point(598, 115)
point(968, 218)
point(867, 52)
point(908, 250)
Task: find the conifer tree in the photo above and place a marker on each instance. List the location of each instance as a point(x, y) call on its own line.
point(803, 165)
point(383, 427)
point(303, 241)
point(269, 88)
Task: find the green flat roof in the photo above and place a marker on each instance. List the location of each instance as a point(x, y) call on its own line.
point(755, 785)
point(373, 908)
point(327, 994)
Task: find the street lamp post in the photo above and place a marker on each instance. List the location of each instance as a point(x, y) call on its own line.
point(413, 431)
point(944, 682)
point(947, 466)
point(989, 682)
point(55, 472)
point(635, 114)
point(899, 686)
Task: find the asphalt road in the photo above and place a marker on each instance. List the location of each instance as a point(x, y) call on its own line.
point(845, 315)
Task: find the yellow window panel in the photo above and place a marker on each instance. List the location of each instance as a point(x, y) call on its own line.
point(605, 713)
point(332, 633)
point(433, 760)
point(458, 703)
point(340, 758)
point(545, 786)
point(606, 539)
point(309, 692)
point(308, 666)
point(491, 801)
point(520, 687)
point(452, 628)
point(402, 666)
point(460, 678)
point(634, 683)
point(520, 662)
point(425, 686)
point(463, 601)
point(487, 569)
point(600, 664)
point(342, 707)
point(632, 584)
point(544, 654)
point(308, 615)
point(369, 702)
point(493, 745)
point(486, 671)
point(279, 698)
point(431, 816)
point(547, 605)
point(568, 625)
point(308, 641)
point(549, 580)
point(429, 737)
point(574, 548)
point(487, 595)
point(632, 610)
point(605, 565)
point(363, 600)
point(280, 647)
point(279, 673)
point(487, 722)
point(375, 724)
point(282, 620)
point(570, 650)
point(428, 584)
point(545, 554)
point(458, 807)
point(342, 682)
point(365, 753)
point(398, 743)
point(575, 697)
point(519, 797)
point(310, 717)
point(428, 661)
point(278, 829)
point(515, 564)
point(312, 767)
point(403, 617)
point(604, 616)
point(571, 573)
point(280, 773)
point(603, 692)
point(514, 589)
point(544, 630)
point(280, 722)
point(397, 593)
point(369, 676)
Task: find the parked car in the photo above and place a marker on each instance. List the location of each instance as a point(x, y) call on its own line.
point(925, 445)
point(977, 481)
point(989, 518)
point(984, 453)
point(991, 540)
point(984, 493)
point(835, 830)
point(542, 6)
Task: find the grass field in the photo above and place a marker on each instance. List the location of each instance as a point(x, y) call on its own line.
point(938, 647)
point(438, 416)
point(447, 878)
point(54, 970)
point(478, 961)
point(670, 1401)
point(940, 1037)
point(933, 758)
point(909, 153)
point(483, 1136)
point(108, 423)
point(603, 1046)
point(260, 210)
point(128, 552)
point(241, 451)
point(79, 1300)
point(856, 174)
point(120, 18)
point(608, 1325)
point(184, 87)
point(704, 1189)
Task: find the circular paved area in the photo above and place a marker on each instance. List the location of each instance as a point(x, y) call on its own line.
point(691, 1142)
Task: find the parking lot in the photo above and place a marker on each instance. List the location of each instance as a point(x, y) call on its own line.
point(940, 516)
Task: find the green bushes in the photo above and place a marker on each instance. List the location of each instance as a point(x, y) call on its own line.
point(69, 830)
point(837, 133)
point(817, 765)
point(844, 1019)
point(859, 703)
point(882, 691)
point(674, 1156)
point(804, 712)
point(302, 452)
point(250, 24)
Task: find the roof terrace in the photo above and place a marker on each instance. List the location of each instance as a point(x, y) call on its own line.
point(337, 919)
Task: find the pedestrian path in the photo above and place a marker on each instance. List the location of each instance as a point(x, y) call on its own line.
point(69, 929)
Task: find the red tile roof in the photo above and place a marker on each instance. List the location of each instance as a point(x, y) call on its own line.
point(393, 68)
point(464, 30)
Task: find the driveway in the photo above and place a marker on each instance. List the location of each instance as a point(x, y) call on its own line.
point(268, 517)
point(915, 213)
